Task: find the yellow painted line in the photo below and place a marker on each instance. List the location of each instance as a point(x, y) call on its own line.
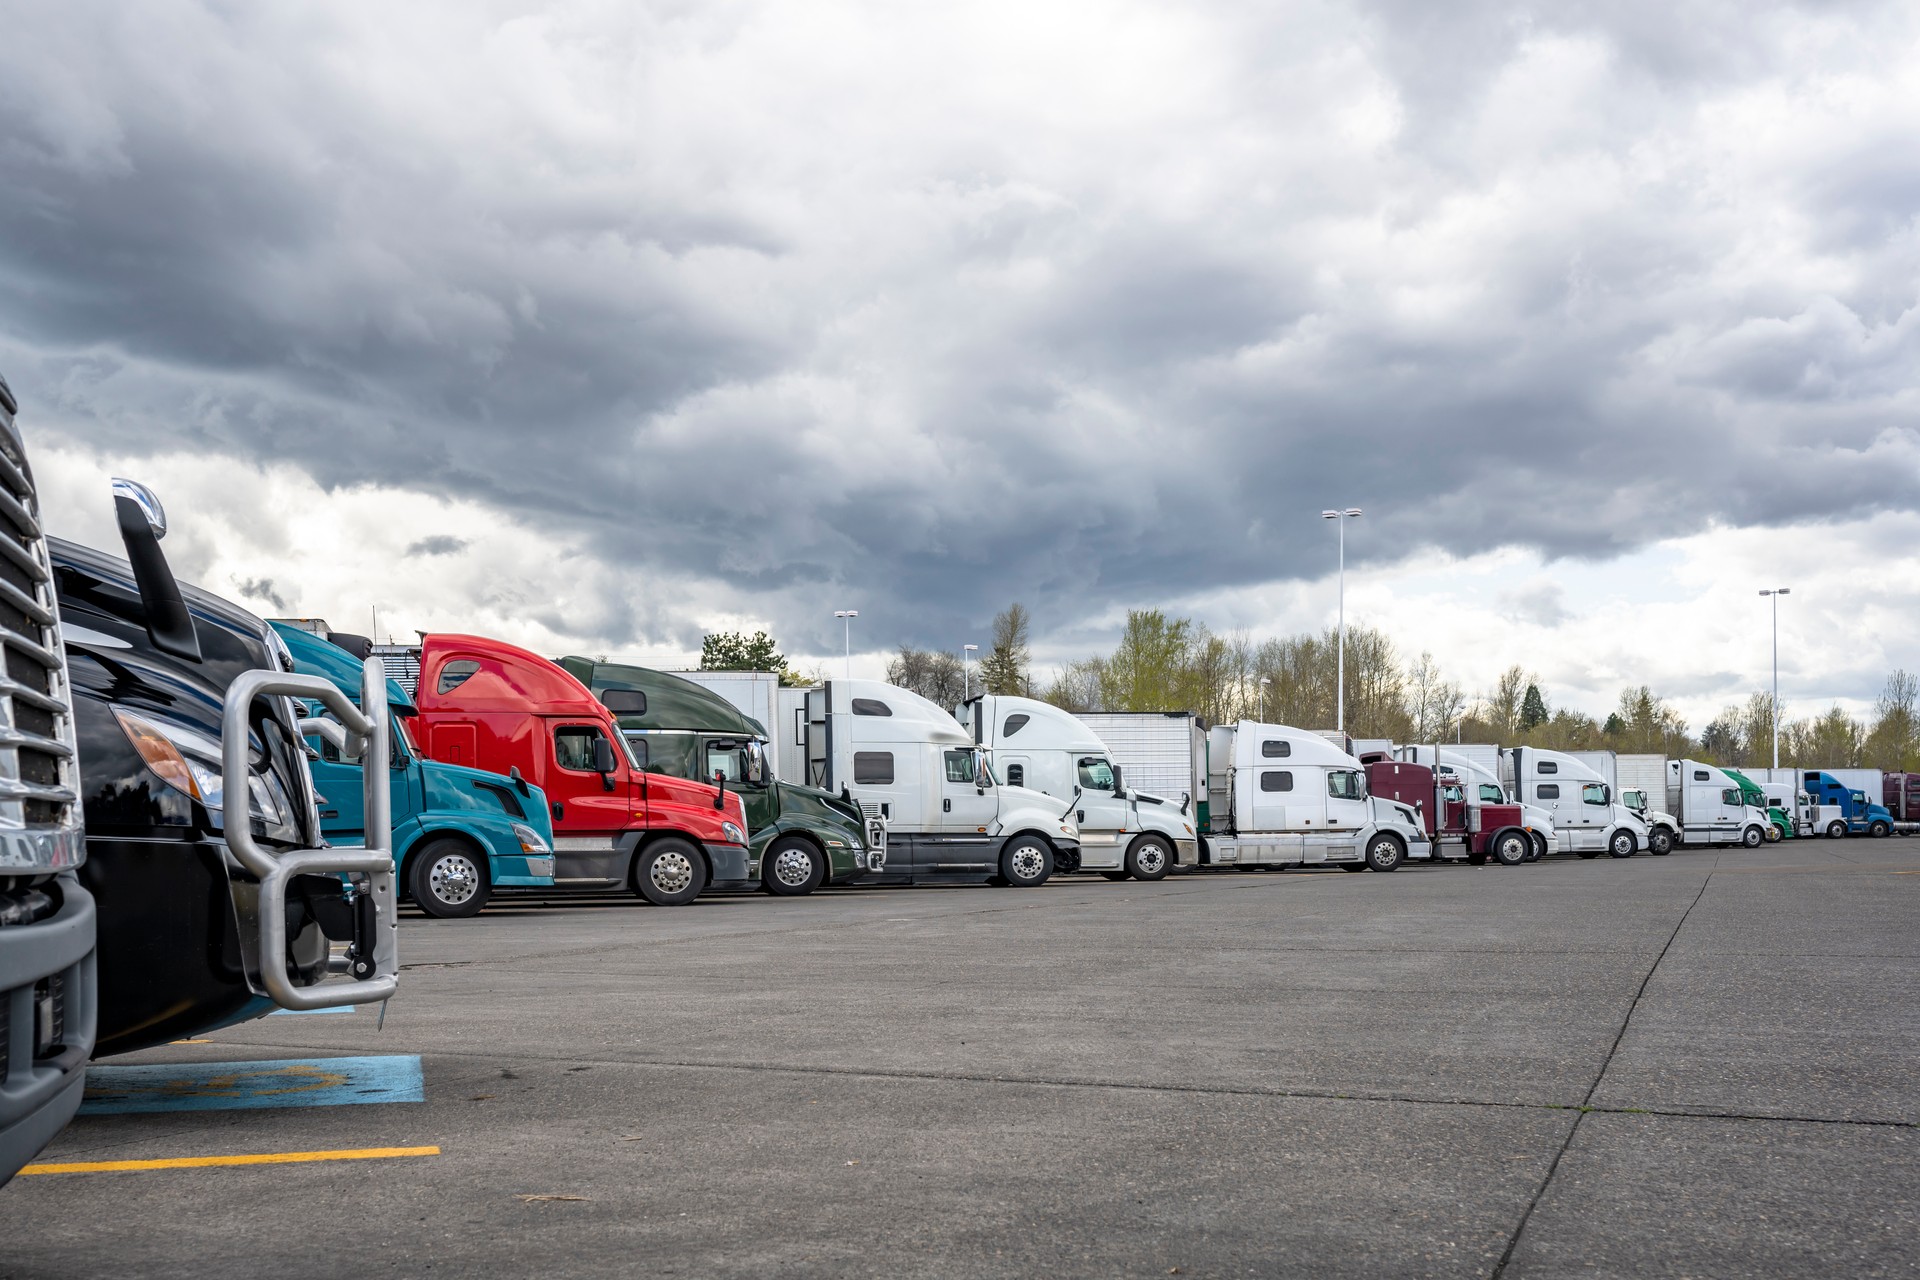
point(220, 1162)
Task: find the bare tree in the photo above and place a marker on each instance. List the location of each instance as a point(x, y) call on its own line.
point(935, 675)
point(1434, 703)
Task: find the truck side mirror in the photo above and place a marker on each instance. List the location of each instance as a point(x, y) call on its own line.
point(143, 522)
point(719, 789)
point(519, 783)
point(1119, 783)
point(604, 763)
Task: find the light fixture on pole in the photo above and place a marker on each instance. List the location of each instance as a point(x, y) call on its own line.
point(966, 670)
point(1340, 692)
point(846, 617)
point(1776, 593)
point(1264, 682)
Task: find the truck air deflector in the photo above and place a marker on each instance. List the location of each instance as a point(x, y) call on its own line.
point(376, 964)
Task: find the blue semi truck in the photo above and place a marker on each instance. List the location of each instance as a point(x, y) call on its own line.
point(458, 833)
point(1858, 815)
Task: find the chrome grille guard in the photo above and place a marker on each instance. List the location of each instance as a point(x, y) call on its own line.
point(370, 868)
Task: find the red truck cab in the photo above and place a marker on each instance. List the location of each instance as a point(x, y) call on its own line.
point(490, 705)
point(1459, 823)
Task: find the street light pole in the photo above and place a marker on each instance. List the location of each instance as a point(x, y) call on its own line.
point(966, 670)
point(1340, 691)
point(1776, 593)
point(1264, 682)
point(846, 617)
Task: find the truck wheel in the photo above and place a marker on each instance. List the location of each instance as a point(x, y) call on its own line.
point(1836, 829)
point(1660, 842)
point(669, 873)
point(1774, 834)
point(792, 867)
point(1026, 862)
point(1539, 843)
point(1510, 850)
point(447, 879)
point(1879, 829)
point(1751, 837)
point(1385, 853)
point(1621, 844)
point(1149, 859)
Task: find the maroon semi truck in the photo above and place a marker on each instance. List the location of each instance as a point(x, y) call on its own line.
point(1460, 824)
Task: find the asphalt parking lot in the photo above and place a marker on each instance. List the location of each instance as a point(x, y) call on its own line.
point(1702, 1065)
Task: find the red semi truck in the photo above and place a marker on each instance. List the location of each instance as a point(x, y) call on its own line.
point(1459, 823)
point(490, 705)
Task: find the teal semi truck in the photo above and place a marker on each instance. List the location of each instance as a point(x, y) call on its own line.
point(799, 837)
point(1779, 821)
point(458, 833)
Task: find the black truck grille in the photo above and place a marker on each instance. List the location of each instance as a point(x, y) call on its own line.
point(38, 772)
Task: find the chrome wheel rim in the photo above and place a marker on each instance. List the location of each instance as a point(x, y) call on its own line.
point(1386, 853)
point(454, 879)
point(671, 872)
point(1150, 859)
point(793, 868)
point(1622, 845)
point(1028, 862)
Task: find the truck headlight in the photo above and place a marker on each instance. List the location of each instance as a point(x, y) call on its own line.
point(189, 761)
point(531, 843)
point(733, 833)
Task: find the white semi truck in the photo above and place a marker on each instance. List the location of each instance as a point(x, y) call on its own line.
point(1265, 795)
point(1708, 805)
point(1124, 832)
point(1639, 781)
point(949, 817)
point(1587, 816)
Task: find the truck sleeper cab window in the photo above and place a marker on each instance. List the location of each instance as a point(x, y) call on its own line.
point(1345, 784)
point(1547, 766)
point(573, 747)
point(1700, 775)
point(1096, 774)
point(1276, 780)
point(456, 673)
point(1275, 749)
point(873, 768)
point(871, 707)
point(1016, 775)
point(1547, 791)
point(1015, 723)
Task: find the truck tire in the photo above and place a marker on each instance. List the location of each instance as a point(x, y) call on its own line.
point(792, 868)
point(1539, 843)
point(1149, 859)
point(1774, 834)
point(1660, 842)
point(1752, 837)
point(1510, 850)
point(669, 872)
point(1836, 829)
point(1385, 853)
point(447, 879)
point(1026, 862)
point(1879, 830)
point(1621, 844)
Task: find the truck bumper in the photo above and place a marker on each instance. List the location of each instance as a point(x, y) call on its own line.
point(47, 975)
point(730, 863)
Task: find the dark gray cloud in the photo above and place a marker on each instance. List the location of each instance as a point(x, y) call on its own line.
point(263, 590)
point(1090, 323)
point(438, 544)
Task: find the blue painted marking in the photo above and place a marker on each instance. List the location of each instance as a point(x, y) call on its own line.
point(339, 1008)
point(249, 1086)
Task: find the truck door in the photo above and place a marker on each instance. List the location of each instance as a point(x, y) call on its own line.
point(1596, 807)
point(1103, 817)
point(455, 742)
point(1347, 811)
point(967, 813)
point(1571, 836)
point(589, 807)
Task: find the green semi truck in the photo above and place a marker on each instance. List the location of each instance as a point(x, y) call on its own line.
point(799, 837)
point(1779, 821)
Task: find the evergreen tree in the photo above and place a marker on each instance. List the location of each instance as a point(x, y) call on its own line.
point(1533, 709)
point(1004, 669)
point(738, 651)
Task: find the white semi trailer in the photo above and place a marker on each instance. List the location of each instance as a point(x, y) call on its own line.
point(949, 817)
point(1587, 815)
point(1709, 807)
point(1125, 830)
point(1469, 770)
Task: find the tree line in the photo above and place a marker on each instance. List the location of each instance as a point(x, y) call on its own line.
point(1163, 663)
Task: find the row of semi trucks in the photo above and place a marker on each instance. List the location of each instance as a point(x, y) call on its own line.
point(205, 816)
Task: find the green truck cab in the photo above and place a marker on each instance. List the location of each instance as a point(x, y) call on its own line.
point(458, 834)
point(1779, 821)
point(799, 837)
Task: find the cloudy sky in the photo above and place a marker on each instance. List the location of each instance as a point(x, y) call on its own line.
point(599, 326)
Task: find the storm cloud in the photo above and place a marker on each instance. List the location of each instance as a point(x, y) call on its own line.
point(920, 312)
